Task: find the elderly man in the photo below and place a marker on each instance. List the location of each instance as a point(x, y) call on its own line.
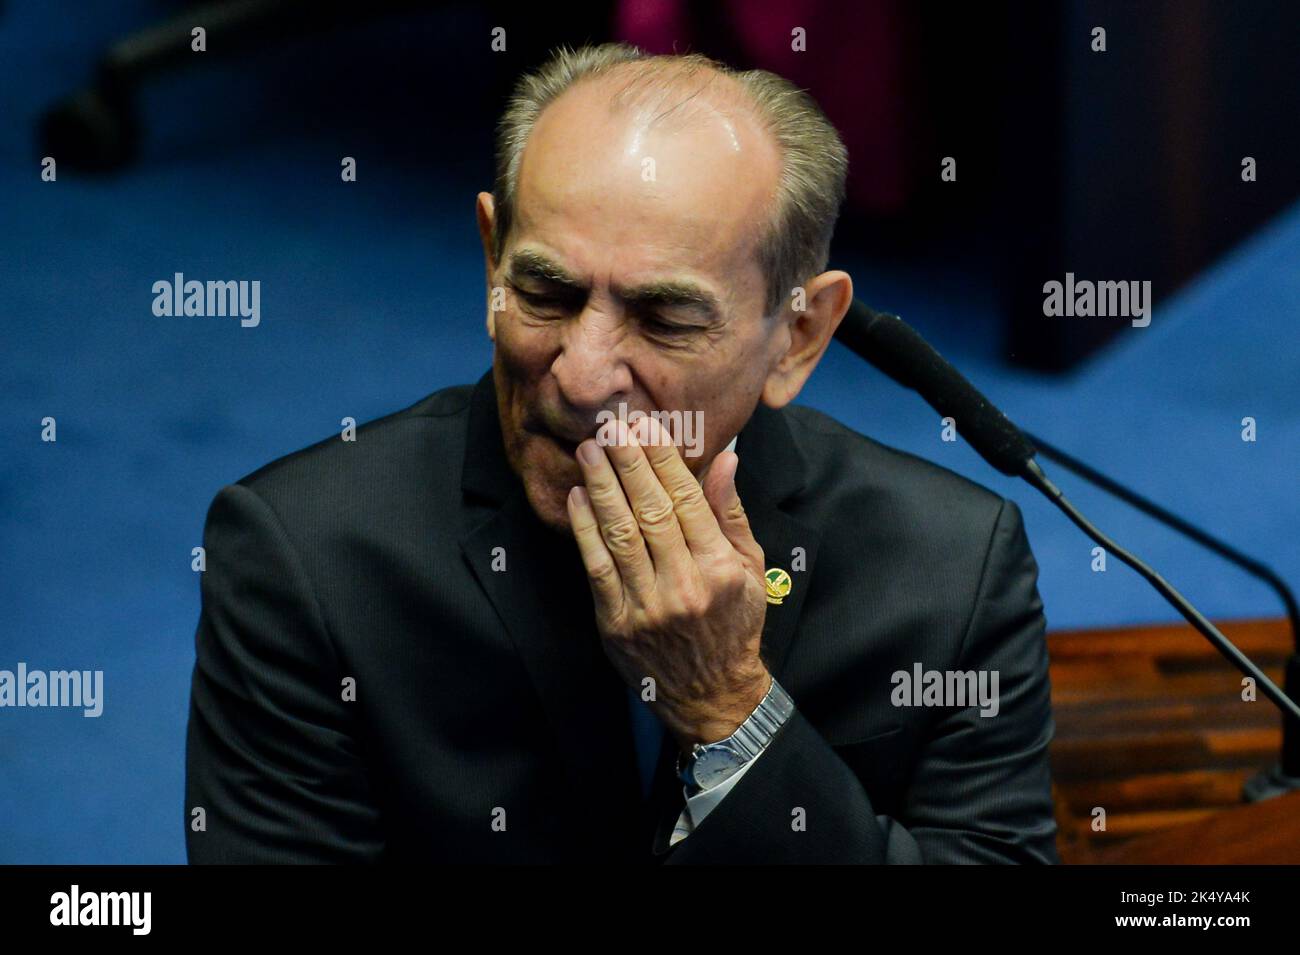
point(516, 622)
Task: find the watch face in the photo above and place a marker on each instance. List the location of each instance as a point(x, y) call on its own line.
point(712, 766)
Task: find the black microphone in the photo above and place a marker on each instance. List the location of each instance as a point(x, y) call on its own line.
point(901, 353)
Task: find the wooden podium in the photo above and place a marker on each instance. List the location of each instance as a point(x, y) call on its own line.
point(1151, 728)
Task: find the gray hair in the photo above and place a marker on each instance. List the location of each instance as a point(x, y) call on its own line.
point(796, 243)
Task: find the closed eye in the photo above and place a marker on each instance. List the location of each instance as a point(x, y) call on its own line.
point(656, 324)
point(538, 302)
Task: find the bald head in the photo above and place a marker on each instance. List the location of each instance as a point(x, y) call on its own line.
point(676, 181)
point(795, 239)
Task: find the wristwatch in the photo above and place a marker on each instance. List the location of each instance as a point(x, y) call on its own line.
point(712, 763)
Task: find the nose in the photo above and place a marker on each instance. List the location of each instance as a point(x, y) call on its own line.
point(590, 370)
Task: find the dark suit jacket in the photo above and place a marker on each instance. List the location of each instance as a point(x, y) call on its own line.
point(484, 694)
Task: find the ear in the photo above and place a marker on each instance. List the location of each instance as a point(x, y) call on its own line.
point(485, 211)
point(808, 331)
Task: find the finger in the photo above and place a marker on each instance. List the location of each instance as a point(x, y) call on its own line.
point(720, 491)
point(618, 526)
point(698, 524)
point(602, 571)
point(653, 508)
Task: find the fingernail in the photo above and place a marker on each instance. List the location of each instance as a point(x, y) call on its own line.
point(579, 496)
point(589, 452)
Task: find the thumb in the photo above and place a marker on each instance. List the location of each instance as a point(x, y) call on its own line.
point(720, 492)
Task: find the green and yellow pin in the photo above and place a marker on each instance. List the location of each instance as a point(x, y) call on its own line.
point(778, 584)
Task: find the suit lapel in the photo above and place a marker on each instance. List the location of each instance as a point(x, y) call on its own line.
point(551, 622)
point(771, 474)
point(544, 602)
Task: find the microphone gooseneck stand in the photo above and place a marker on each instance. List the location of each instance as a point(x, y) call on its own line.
point(1283, 776)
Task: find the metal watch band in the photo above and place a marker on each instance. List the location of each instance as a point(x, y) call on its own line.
point(752, 736)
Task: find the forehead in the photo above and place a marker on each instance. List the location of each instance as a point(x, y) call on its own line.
point(683, 179)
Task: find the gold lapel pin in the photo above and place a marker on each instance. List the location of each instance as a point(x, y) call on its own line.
point(778, 584)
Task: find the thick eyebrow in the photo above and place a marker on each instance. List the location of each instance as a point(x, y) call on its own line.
point(669, 294)
point(534, 265)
